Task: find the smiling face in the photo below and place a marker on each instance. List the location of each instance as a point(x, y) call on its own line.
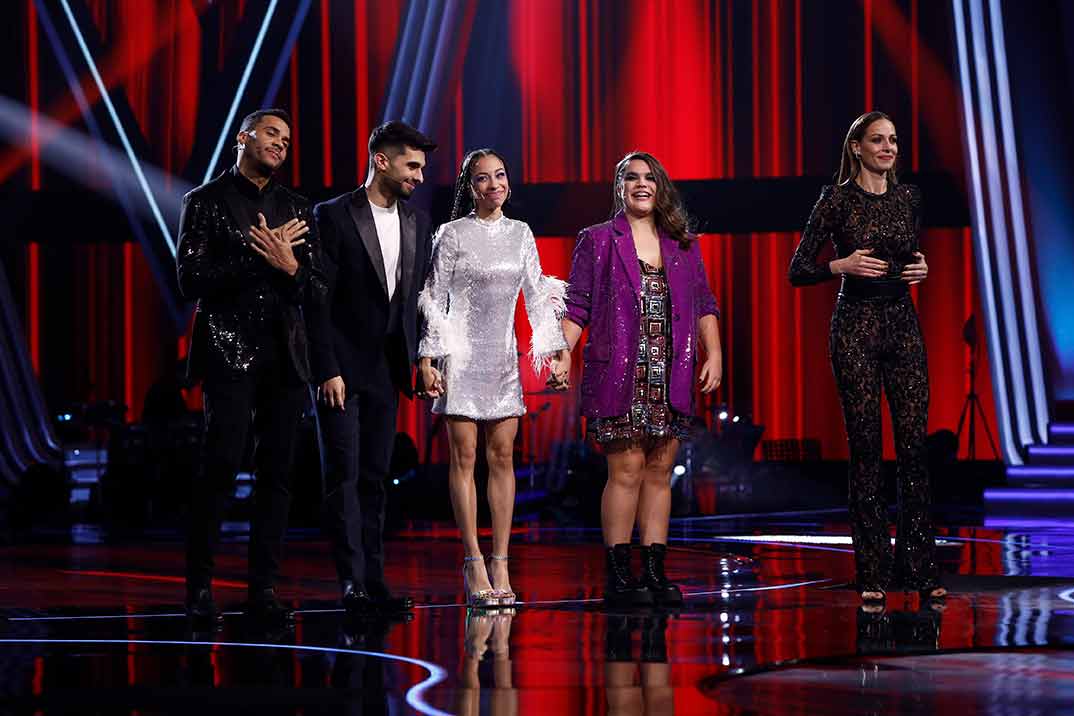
point(265, 146)
point(637, 188)
point(402, 172)
point(878, 148)
point(489, 183)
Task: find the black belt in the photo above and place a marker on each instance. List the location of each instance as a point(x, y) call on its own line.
point(883, 288)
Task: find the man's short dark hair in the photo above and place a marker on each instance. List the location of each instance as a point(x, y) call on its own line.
point(396, 135)
point(250, 121)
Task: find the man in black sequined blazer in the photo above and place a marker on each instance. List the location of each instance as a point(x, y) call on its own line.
point(248, 253)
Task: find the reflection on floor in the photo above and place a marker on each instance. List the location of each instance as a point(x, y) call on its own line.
point(769, 627)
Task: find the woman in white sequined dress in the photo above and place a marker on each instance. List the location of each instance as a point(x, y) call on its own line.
point(480, 263)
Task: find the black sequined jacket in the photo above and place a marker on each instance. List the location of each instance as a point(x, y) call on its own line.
point(239, 295)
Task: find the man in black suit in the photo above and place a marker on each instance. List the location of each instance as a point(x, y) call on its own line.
point(249, 345)
point(364, 340)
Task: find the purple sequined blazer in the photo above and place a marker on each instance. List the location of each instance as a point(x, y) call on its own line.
point(604, 293)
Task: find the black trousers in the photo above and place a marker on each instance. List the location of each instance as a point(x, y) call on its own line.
point(271, 399)
point(358, 444)
point(875, 344)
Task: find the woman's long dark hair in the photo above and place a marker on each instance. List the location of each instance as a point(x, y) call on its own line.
point(464, 195)
point(849, 164)
point(670, 213)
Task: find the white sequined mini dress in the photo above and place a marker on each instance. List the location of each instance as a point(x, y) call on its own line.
point(468, 304)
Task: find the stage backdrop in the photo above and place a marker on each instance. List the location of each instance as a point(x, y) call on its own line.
point(721, 90)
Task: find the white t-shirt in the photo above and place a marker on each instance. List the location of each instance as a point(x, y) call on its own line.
point(387, 222)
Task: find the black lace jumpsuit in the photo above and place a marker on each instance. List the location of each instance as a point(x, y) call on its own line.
point(875, 344)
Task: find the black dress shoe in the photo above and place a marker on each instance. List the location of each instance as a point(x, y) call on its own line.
point(201, 609)
point(356, 602)
point(387, 603)
point(264, 607)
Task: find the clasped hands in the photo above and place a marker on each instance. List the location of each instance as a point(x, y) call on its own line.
point(861, 263)
point(277, 245)
point(432, 379)
point(559, 377)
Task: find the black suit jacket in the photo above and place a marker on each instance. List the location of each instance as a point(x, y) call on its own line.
point(230, 281)
point(348, 331)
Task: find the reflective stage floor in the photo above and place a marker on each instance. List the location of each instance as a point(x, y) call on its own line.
point(769, 627)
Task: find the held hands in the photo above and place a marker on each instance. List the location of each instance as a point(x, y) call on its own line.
point(711, 373)
point(277, 245)
point(918, 272)
point(560, 375)
point(333, 392)
point(432, 380)
point(860, 263)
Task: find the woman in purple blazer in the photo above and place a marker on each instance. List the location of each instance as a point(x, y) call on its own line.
point(638, 283)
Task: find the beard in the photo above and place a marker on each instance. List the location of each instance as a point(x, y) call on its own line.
point(398, 189)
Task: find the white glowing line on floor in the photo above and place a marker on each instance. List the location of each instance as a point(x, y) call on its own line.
point(758, 589)
point(337, 610)
point(242, 89)
point(413, 694)
point(1067, 596)
point(119, 127)
point(804, 539)
point(94, 616)
point(745, 515)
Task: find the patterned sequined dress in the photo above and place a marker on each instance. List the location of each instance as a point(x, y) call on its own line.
point(875, 346)
point(468, 304)
point(650, 416)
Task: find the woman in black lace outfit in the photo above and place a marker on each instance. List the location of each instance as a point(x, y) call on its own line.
point(875, 344)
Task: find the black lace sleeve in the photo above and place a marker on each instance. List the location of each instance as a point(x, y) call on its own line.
point(916, 213)
point(804, 269)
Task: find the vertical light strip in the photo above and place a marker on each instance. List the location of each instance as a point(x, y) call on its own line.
point(119, 127)
point(1024, 274)
point(583, 91)
point(326, 95)
point(868, 29)
point(128, 328)
point(915, 97)
point(296, 166)
point(980, 234)
point(33, 249)
point(35, 96)
point(755, 279)
point(996, 206)
point(33, 303)
point(238, 93)
point(284, 60)
point(799, 170)
point(361, 89)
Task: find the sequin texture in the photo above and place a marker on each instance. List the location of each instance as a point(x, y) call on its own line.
point(244, 306)
point(468, 304)
point(650, 416)
point(875, 345)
